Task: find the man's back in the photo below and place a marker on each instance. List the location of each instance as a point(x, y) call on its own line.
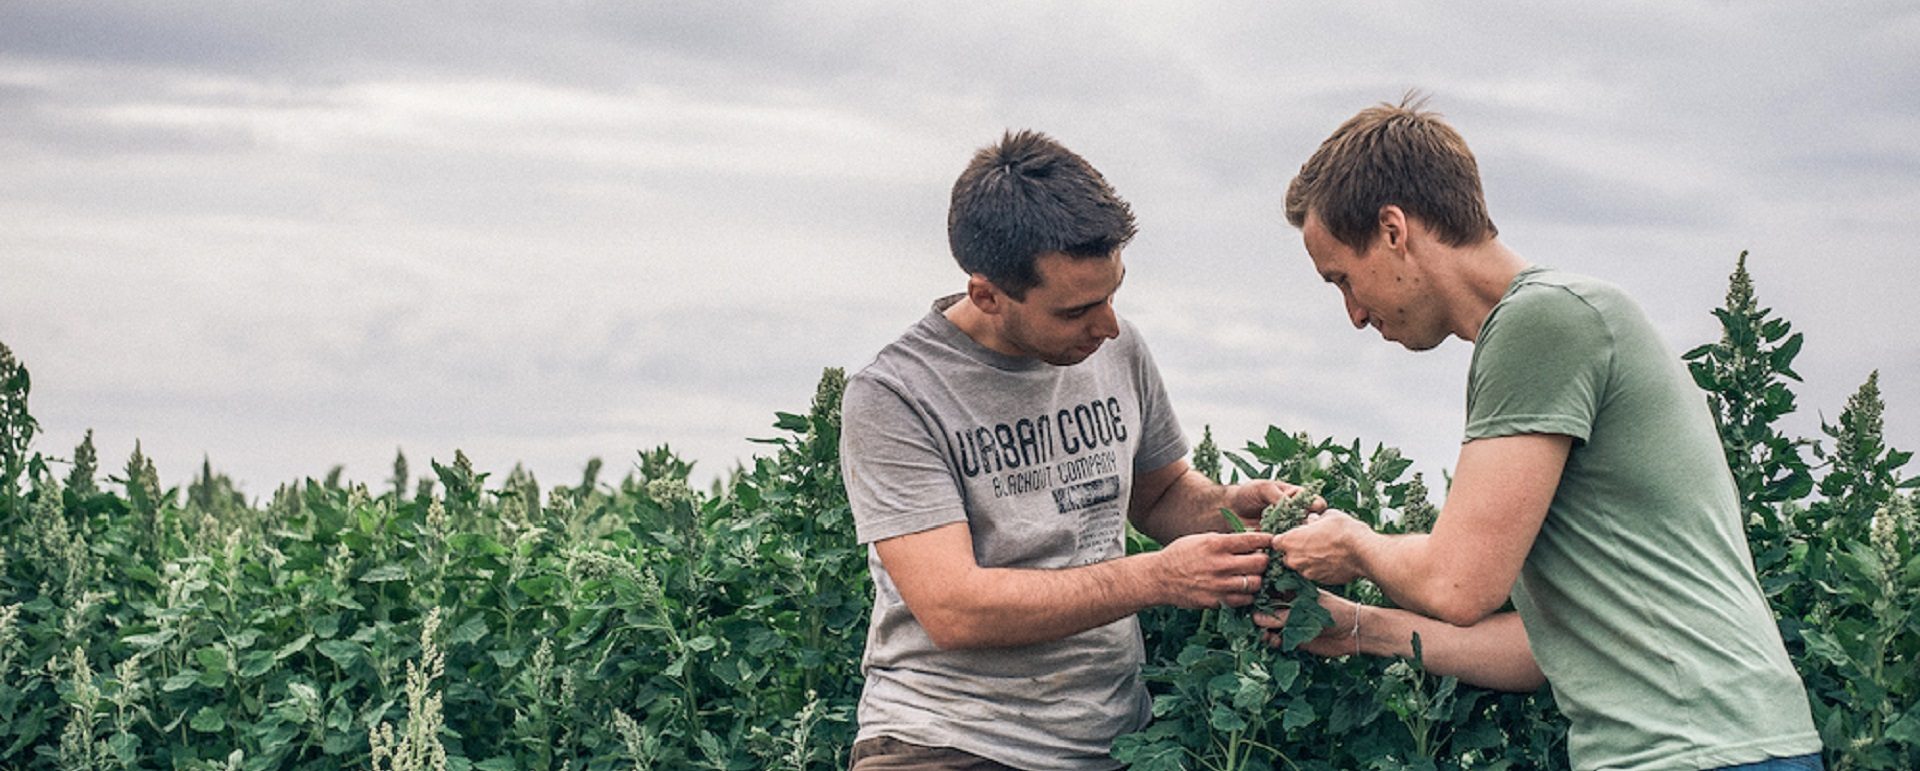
point(1638, 595)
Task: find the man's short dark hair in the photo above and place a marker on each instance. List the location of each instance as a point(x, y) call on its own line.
point(1025, 197)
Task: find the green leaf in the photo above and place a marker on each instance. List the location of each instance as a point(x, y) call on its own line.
point(244, 639)
point(1906, 730)
point(1305, 620)
point(125, 747)
point(149, 641)
point(1299, 713)
point(342, 652)
point(256, 663)
point(384, 573)
point(539, 587)
point(469, 631)
point(180, 681)
point(702, 643)
point(1224, 720)
point(1150, 750)
point(208, 720)
point(294, 647)
point(478, 544)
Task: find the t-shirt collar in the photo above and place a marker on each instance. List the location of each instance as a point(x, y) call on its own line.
point(941, 328)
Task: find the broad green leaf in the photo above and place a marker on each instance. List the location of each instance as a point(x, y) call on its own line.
point(1224, 720)
point(125, 747)
point(208, 720)
point(1299, 713)
point(294, 647)
point(211, 659)
point(180, 681)
point(471, 630)
point(342, 652)
point(255, 663)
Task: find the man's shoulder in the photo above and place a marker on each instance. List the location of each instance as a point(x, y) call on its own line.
point(913, 354)
point(1549, 287)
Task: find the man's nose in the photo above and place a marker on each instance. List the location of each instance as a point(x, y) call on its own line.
point(1105, 323)
point(1355, 313)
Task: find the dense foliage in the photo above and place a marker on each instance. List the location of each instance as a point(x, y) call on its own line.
point(448, 620)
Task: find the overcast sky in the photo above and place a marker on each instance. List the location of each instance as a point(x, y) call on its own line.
point(293, 238)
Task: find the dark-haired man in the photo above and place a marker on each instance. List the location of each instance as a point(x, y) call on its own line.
point(994, 455)
point(1591, 487)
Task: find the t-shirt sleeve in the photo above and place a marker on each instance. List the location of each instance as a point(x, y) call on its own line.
point(898, 481)
point(1162, 441)
point(1540, 366)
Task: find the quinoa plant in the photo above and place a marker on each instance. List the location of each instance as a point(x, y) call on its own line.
point(1225, 699)
point(648, 623)
point(17, 428)
point(1746, 376)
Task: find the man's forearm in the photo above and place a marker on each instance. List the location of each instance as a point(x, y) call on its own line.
point(964, 605)
point(1008, 607)
point(1491, 654)
point(1191, 504)
point(1418, 575)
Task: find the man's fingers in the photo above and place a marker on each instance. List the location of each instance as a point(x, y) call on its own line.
point(1243, 543)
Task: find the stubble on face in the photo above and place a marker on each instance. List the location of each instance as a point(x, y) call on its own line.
point(1068, 315)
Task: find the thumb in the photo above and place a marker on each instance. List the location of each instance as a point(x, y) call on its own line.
point(1269, 492)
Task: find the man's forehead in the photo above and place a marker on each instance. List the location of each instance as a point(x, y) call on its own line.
point(1063, 274)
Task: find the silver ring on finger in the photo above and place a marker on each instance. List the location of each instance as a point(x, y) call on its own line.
point(1246, 585)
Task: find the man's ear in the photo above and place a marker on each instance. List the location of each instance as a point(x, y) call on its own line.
point(983, 294)
point(1393, 227)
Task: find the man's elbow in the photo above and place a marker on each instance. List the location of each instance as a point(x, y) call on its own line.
point(952, 631)
point(1461, 607)
point(1529, 681)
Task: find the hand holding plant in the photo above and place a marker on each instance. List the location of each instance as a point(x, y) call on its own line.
point(1207, 570)
point(1327, 548)
point(1340, 638)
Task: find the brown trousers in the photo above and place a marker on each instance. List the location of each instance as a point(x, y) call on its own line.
point(885, 753)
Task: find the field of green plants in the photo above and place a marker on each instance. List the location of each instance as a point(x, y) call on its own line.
point(449, 620)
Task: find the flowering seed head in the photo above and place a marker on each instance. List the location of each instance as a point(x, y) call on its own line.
point(1291, 510)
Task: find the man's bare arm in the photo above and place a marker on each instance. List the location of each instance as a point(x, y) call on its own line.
point(1464, 570)
point(964, 605)
point(1491, 654)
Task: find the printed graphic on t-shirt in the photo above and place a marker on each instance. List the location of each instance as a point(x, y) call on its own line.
point(1068, 454)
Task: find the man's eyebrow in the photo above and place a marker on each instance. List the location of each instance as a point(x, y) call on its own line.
point(1101, 301)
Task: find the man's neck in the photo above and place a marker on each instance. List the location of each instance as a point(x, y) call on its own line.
point(1474, 280)
point(977, 324)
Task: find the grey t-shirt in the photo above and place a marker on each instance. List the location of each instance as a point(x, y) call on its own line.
point(1039, 461)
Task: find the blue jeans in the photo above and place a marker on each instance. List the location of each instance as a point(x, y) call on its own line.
point(1801, 763)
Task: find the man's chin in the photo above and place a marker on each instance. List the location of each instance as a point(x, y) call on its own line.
point(1071, 357)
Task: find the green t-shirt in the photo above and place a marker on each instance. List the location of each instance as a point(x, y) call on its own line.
point(1638, 596)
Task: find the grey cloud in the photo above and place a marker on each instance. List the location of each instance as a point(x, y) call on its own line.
point(305, 236)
